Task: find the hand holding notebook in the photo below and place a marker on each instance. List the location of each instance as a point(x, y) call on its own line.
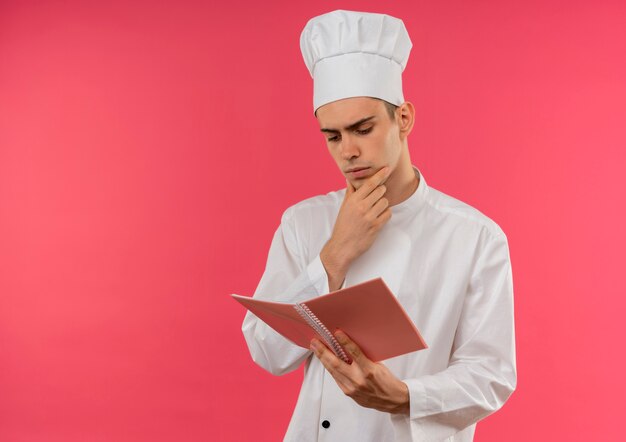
point(368, 312)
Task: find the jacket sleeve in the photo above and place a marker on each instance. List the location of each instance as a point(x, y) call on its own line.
point(287, 278)
point(481, 374)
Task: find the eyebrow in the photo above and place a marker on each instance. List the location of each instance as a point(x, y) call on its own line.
point(350, 127)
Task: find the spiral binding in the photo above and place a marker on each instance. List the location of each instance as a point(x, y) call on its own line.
point(322, 330)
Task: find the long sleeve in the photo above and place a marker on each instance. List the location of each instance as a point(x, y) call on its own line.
point(481, 374)
point(287, 278)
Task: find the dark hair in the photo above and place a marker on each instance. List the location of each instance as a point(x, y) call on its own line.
point(391, 109)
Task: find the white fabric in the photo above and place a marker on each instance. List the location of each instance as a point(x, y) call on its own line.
point(355, 54)
point(449, 266)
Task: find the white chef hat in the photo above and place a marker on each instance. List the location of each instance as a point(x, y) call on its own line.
point(355, 54)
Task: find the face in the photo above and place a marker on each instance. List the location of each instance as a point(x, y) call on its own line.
point(360, 136)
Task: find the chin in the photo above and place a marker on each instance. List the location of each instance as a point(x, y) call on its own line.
point(356, 184)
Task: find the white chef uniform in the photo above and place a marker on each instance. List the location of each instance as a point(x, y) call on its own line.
point(449, 266)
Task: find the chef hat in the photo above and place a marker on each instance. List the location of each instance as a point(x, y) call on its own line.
point(355, 54)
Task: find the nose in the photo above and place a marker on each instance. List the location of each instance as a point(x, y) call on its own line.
point(349, 148)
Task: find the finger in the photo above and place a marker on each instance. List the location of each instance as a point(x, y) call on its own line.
point(380, 206)
point(376, 195)
point(325, 354)
point(349, 189)
point(352, 348)
point(321, 350)
point(373, 182)
point(338, 369)
point(383, 217)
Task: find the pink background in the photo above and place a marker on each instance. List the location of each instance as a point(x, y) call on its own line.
point(148, 150)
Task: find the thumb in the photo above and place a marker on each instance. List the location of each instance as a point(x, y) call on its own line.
point(349, 188)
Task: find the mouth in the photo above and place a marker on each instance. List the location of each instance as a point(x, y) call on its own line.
point(358, 172)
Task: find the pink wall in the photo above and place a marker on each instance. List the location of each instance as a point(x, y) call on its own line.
point(148, 151)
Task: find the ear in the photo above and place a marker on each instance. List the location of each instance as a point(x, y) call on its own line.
point(405, 116)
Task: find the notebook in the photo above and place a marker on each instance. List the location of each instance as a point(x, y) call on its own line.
point(368, 312)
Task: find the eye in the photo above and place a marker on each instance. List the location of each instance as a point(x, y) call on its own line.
point(333, 139)
point(363, 131)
